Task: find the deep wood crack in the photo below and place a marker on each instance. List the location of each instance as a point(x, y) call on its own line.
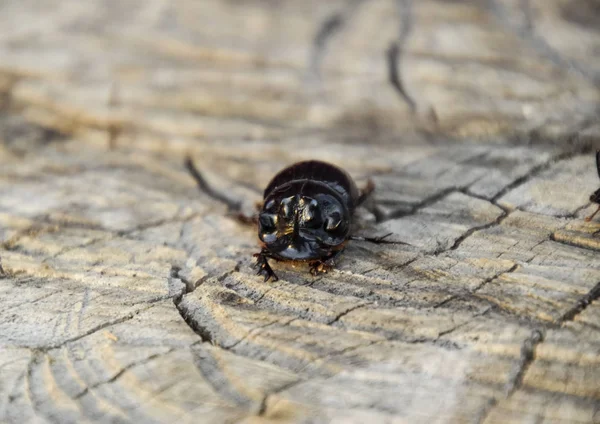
point(346, 312)
point(532, 173)
point(415, 207)
point(473, 230)
point(96, 329)
point(395, 50)
point(120, 373)
point(515, 378)
point(526, 357)
point(581, 304)
point(328, 29)
point(262, 409)
point(526, 31)
point(203, 332)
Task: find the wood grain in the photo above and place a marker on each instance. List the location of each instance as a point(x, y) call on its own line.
point(129, 296)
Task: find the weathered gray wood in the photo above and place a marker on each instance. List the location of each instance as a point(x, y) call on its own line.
point(128, 296)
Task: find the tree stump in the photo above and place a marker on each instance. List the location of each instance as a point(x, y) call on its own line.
point(129, 296)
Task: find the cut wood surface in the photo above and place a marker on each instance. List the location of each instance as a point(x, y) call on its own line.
point(127, 295)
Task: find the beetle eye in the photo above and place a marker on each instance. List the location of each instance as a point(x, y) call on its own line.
point(333, 221)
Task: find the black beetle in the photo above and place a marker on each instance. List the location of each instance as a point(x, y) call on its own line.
point(595, 196)
point(306, 214)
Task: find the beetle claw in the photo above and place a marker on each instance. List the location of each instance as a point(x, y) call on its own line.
point(589, 218)
point(320, 267)
point(264, 268)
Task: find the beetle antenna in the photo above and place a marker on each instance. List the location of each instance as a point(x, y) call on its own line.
point(232, 205)
point(379, 240)
point(598, 161)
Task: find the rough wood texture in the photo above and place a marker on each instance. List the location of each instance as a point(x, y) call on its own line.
point(128, 296)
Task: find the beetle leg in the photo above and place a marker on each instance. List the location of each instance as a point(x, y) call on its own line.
point(365, 192)
point(323, 266)
point(589, 218)
point(263, 266)
point(380, 239)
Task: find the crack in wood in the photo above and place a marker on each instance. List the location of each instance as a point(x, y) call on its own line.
point(532, 173)
point(515, 378)
point(322, 358)
point(274, 285)
point(445, 344)
point(120, 373)
point(270, 128)
point(581, 304)
point(526, 357)
point(212, 372)
point(473, 230)
point(464, 190)
point(158, 223)
point(36, 358)
point(486, 410)
point(54, 227)
point(6, 94)
point(263, 407)
point(479, 287)
point(527, 15)
point(428, 201)
point(346, 312)
point(31, 231)
point(456, 327)
point(203, 332)
point(393, 57)
point(255, 330)
point(395, 50)
point(100, 327)
point(526, 31)
point(114, 129)
point(413, 209)
point(72, 248)
point(328, 29)
point(29, 302)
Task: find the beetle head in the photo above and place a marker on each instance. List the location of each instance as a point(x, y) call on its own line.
point(301, 227)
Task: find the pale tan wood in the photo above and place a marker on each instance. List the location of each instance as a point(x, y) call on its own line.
point(128, 296)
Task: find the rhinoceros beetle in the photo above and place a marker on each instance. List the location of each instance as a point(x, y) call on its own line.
point(595, 196)
point(306, 214)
